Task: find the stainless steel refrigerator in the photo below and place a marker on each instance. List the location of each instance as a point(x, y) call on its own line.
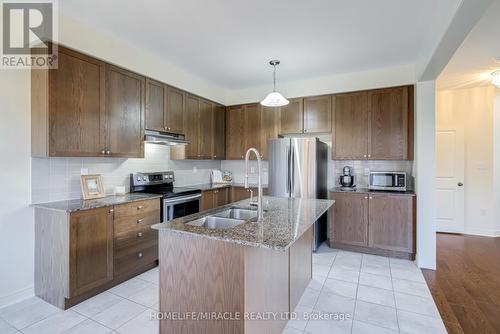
point(298, 168)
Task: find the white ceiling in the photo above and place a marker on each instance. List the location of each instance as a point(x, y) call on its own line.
point(229, 42)
point(477, 57)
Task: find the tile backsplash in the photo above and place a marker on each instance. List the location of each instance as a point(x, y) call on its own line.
point(362, 169)
point(54, 179)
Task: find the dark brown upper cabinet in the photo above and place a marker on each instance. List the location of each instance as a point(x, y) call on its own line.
point(388, 135)
point(350, 126)
point(306, 115)
point(206, 130)
point(243, 130)
point(204, 125)
point(318, 114)
point(374, 125)
point(174, 115)
point(156, 98)
point(269, 128)
point(292, 117)
point(191, 127)
point(164, 107)
point(219, 132)
point(68, 107)
point(235, 133)
point(87, 108)
point(124, 113)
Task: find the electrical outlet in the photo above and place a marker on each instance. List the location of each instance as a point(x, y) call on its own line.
point(195, 169)
point(84, 171)
point(367, 171)
point(252, 170)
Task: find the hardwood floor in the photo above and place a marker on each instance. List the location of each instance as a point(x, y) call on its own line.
point(466, 284)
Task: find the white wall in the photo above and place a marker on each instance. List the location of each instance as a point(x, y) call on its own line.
point(496, 160)
point(472, 110)
point(55, 179)
point(16, 219)
point(425, 173)
point(343, 82)
point(86, 39)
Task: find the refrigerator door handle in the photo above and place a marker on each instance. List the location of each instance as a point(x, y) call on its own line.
point(292, 171)
point(288, 178)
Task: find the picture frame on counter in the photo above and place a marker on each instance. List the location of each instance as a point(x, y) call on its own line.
point(92, 186)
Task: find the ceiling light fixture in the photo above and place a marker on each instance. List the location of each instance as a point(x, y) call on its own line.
point(274, 99)
point(496, 78)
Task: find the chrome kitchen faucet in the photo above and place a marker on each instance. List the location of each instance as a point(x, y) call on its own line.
point(259, 167)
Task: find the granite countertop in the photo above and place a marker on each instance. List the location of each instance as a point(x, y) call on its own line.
point(285, 220)
point(74, 205)
point(368, 191)
point(212, 186)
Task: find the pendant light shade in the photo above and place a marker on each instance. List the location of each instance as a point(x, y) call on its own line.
point(274, 99)
point(496, 78)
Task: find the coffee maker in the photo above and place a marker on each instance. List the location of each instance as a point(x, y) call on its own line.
point(347, 179)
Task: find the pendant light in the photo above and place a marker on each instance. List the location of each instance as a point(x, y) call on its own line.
point(496, 78)
point(274, 99)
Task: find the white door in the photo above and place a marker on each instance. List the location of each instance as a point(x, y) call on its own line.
point(449, 180)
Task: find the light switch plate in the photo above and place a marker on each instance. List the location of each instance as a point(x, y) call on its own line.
point(84, 171)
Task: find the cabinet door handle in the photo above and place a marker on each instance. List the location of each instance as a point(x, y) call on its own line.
point(139, 221)
point(111, 210)
point(364, 156)
point(108, 152)
point(139, 255)
point(140, 207)
point(371, 197)
point(139, 234)
point(168, 129)
point(103, 152)
point(366, 197)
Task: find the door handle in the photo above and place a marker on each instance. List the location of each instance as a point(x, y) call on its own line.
point(460, 184)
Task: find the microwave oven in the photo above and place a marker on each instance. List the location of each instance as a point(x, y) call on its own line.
point(392, 181)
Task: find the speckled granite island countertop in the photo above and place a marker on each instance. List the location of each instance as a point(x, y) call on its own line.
point(285, 220)
point(74, 205)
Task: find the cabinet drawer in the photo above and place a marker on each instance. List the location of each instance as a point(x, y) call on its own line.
point(145, 219)
point(132, 258)
point(135, 237)
point(136, 208)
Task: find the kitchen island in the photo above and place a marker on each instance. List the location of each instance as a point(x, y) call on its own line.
point(242, 279)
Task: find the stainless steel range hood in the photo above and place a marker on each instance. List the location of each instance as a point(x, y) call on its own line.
point(164, 138)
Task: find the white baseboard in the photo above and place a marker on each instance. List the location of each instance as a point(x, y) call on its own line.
point(483, 232)
point(17, 296)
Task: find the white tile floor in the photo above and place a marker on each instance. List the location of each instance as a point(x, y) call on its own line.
point(375, 295)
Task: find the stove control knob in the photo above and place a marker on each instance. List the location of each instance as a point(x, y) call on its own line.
point(144, 178)
point(138, 178)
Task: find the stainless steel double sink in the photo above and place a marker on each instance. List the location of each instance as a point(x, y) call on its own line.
point(226, 219)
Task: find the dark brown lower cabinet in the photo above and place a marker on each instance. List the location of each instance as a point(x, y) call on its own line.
point(350, 219)
point(81, 254)
point(214, 198)
point(392, 223)
point(381, 224)
point(91, 250)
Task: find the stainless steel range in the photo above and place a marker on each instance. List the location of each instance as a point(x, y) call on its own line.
point(177, 201)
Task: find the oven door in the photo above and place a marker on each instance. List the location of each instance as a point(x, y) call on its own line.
point(180, 206)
